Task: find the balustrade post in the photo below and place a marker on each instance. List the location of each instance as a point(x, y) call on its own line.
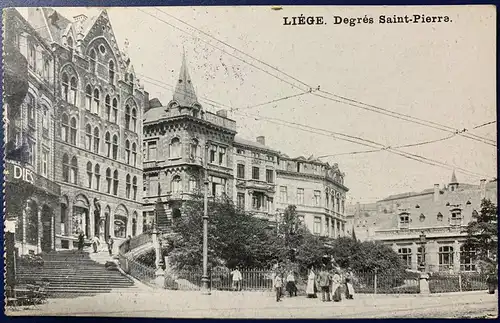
point(159, 272)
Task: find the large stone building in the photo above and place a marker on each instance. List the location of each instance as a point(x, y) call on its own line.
point(180, 137)
point(439, 214)
point(97, 116)
point(32, 196)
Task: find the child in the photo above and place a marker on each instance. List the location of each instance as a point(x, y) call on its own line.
point(278, 284)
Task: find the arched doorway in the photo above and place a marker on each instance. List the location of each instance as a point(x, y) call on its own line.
point(120, 222)
point(80, 217)
point(32, 223)
point(46, 241)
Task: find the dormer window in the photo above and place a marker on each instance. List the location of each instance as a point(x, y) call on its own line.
point(422, 217)
point(404, 221)
point(417, 206)
point(468, 203)
point(439, 217)
point(456, 217)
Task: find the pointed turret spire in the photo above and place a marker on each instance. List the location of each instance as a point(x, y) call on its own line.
point(453, 178)
point(185, 94)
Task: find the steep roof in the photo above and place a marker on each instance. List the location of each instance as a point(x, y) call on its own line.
point(453, 178)
point(184, 94)
point(241, 141)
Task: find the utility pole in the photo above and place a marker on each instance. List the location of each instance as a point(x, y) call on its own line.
point(204, 280)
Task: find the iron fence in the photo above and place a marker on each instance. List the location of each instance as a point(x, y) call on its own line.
point(137, 270)
point(457, 282)
point(384, 283)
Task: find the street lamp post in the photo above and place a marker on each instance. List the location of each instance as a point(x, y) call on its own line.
point(422, 244)
point(204, 280)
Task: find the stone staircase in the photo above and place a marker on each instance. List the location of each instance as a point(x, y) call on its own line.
point(73, 273)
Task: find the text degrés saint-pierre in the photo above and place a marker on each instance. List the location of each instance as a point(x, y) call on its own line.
point(353, 21)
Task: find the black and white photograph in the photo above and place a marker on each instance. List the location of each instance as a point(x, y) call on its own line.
point(250, 161)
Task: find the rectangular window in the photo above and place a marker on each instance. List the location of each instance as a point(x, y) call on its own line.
point(153, 185)
point(467, 259)
point(269, 176)
point(241, 200)
point(283, 194)
point(317, 225)
point(240, 151)
point(32, 149)
point(213, 152)
point(255, 173)
point(222, 156)
point(270, 158)
point(405, 255)
point(152, 150)
point(456, 218)
point(45, 162)
point(240, 171)
point(317, 198)
point(300, 196)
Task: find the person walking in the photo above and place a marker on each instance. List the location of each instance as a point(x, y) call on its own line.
point(110, 245)
point(349, 289)
point(336, 281)
point(81, 241)
point(311, 284)
point(96, 243)
point(324, 282)
point(278, 285)
point(291, 287)
point(237, 278)
point(127, 244)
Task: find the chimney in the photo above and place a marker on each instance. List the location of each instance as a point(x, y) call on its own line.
point(482, 187)
point(80, 18)
point(261, 140)
point(222, 113)
point(436, 192)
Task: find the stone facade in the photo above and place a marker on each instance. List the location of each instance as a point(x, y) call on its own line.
point(98, 122)
point(439, 213)
point(31, 194)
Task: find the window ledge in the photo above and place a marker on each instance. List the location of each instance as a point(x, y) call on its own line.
point(174, 158)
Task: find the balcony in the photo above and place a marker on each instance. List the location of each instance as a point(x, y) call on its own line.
point(152, 164)
point(256, 185)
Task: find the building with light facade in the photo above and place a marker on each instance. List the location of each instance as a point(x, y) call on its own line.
point(425, 227)
point(97, 113)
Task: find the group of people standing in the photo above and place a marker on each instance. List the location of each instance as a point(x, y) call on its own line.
point(329, 283)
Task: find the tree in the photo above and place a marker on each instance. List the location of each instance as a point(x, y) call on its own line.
point(234, 237)
point(482, 235)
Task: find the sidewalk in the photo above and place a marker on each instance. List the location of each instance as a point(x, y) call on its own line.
point(166, 303)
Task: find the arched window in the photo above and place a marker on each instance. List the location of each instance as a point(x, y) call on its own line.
point(70, 42)
point(175, 148)
point(176, 184)
point(111, 72)
point(127, 117)
point(89, 174)
point(107, 103)
point(108, 180)
point(107, 138)
point(127, 186)
point(88, 97)
point(97, 173)
point(115, 147)
point(72, 131)
point(65, 87)
point(88, 137)
point(115, 110)
point(134, 120)
point(64, 128)
point(96, 140)
point(127, 151)
point(73, 90)
point(65, 168)
point(74, 170)
point(96, 101)
point(31, 109)
point(93, 60)
point(46, 69)
point(131, 78)
point(445, 257)
point(115, 182)
point(194, 150)
point(134, 154)
point(134, 188)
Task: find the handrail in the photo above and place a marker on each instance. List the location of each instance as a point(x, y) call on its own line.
point(135, 242)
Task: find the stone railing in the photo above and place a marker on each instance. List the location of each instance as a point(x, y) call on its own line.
point(135, 242)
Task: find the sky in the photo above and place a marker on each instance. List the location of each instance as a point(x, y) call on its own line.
point(443, 72)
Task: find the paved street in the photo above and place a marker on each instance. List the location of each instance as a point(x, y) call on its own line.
point(162, 303)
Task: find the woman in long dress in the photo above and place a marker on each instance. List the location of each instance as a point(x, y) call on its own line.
point(311, 284)
point(336, 280)
point(349, 290)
